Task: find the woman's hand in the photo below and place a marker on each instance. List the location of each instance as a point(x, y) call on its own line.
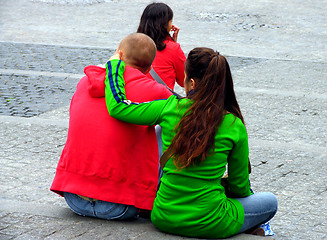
point(175, 29)
point(115, 56)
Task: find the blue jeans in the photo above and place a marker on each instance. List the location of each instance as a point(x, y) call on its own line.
point(159, 141)
point(259, 208)
point(100, 209)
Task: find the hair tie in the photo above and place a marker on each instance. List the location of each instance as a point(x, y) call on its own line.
point(215, 54)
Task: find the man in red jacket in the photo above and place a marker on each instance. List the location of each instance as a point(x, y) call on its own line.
point(109, 169)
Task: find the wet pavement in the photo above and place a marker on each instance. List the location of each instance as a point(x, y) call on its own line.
point(277, 52)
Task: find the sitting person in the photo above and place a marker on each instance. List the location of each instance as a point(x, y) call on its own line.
point(201, 134)
point(108, 168)
point(156, 22)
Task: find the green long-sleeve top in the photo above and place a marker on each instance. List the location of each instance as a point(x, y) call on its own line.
point(190, 201)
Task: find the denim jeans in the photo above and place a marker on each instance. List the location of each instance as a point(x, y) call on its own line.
point(100, 209)
point(159, 141)
point(259, 208)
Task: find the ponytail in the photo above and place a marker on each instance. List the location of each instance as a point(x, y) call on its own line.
point(197, 129)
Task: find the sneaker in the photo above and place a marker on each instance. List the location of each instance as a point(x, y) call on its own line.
point(266, 227)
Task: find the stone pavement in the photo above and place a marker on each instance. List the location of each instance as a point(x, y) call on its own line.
point(277, 52)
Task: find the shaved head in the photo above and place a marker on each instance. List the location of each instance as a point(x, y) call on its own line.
point(139, 51)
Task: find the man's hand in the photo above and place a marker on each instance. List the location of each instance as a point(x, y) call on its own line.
point(175, 29)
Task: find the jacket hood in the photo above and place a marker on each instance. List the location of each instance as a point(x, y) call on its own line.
point(96, 76)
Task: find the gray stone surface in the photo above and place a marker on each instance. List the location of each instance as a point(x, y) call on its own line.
point(277, 52)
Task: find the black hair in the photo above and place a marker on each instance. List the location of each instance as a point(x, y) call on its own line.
point(154, 23)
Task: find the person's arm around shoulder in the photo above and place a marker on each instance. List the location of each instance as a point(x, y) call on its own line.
point(238, 162)
point(121, 108)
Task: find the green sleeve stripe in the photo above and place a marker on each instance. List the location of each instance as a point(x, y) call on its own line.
point(114, 86)
point(146, 113)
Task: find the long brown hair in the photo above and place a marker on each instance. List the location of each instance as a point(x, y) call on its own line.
point(154, 23)
point(212, 97)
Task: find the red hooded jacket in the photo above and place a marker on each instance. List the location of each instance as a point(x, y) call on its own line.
point(105, 158)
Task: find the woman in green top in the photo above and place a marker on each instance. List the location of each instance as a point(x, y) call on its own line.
point(201, 133)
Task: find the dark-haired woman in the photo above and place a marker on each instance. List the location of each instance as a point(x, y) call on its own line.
point(202, 134)
point(156, 22)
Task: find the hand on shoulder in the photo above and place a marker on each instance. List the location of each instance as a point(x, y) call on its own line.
point(115, 56)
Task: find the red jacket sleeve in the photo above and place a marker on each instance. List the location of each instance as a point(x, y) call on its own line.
point(179, 65)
